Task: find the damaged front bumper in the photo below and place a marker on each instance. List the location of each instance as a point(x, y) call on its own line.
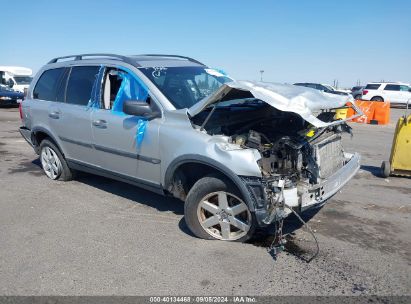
point(310, 196)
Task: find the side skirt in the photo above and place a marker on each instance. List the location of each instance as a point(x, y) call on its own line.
point(80, 166)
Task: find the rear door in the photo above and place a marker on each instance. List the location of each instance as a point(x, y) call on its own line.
point(45, 101)
point(115, 133)
point(71, 119)
point(392, 93)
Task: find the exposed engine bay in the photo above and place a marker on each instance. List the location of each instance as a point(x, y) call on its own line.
point(295, 156)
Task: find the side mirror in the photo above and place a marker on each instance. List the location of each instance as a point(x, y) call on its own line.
point(409, 90)
point(139, 108)
point(10, 83)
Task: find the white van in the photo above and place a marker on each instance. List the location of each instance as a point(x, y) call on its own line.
point(17, 78)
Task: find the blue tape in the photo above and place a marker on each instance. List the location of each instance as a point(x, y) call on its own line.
point(141, 129)
point(130, 89)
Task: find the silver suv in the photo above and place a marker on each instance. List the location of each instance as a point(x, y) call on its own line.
point(240, 154)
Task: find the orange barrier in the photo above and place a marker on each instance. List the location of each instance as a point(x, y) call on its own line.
point(367, 107)
point(382, 113)
point(373, 110)
point(350, 111)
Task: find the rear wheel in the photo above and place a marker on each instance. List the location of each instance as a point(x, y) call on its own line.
point(53, 162)
point(377, 99)
point(215, 210)
point(356, 97)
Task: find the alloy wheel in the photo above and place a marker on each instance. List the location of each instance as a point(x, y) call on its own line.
point(50, 162)
point(224, 216)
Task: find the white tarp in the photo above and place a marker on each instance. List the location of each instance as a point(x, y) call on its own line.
point(289, 98)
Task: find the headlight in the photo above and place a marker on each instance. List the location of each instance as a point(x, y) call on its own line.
point(5, 98)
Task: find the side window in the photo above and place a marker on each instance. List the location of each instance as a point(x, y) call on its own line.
point(372, 86)
point(80, 84)
point(392, 87)
point(46, 87)
point(404, 88)
point(119, 86)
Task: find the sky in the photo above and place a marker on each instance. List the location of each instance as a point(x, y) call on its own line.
point(292, 41)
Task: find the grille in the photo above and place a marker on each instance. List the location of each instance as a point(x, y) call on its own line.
point(329, 155)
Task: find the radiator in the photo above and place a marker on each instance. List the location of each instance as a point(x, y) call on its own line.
point(328, 154)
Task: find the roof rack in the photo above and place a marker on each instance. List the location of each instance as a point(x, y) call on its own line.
point(173, 56)
point(81, 57)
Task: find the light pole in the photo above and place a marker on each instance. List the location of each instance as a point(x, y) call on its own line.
point(261, 77)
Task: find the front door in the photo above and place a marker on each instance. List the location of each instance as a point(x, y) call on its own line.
point(115, 133)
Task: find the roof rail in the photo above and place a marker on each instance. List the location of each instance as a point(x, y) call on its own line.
point(80, 57)
point(173, 56)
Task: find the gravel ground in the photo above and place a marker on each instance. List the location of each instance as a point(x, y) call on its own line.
point(96, 236)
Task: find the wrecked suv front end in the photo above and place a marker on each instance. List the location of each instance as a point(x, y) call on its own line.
point(301, 159)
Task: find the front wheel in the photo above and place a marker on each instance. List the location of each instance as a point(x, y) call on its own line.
point(214, 209)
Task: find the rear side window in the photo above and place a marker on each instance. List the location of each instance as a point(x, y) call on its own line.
point(392, 87)
point(47, 86)
point(373, 86)
point(80, 84)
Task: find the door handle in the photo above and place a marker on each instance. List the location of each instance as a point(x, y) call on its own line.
point(100, 123)
point(54, 114)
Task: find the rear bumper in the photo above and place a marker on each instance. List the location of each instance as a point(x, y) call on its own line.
point(26, 133)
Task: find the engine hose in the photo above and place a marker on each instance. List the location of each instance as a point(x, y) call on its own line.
point(309, 230)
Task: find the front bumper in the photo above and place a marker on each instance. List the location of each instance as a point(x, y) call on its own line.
point(318, 194)
point(314, 196)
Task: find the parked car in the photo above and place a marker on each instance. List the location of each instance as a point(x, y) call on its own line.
point(356, 92)
point(394, 92)
point(240, 154)
point(18, 78)
point(9, 96)
point(321, 87)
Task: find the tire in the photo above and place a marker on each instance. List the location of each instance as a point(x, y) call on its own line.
point(53, 162)
point(214, 210)
point(377, 99)
point(356, 97)
point(385, 169)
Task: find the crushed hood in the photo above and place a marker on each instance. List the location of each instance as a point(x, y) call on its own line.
point(284, 97)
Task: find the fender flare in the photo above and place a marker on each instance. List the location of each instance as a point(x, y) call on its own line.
point(49, 134)
point(194, 158)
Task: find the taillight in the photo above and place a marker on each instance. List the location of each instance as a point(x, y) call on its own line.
point(364, 92)
point(21, 111)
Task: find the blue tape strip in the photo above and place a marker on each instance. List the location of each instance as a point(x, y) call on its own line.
point(141, 129)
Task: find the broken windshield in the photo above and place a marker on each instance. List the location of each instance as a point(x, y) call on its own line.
point(185, 86)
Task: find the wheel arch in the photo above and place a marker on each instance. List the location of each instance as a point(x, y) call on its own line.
point(377, 96)
point(208, 166)
point(38, 134)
